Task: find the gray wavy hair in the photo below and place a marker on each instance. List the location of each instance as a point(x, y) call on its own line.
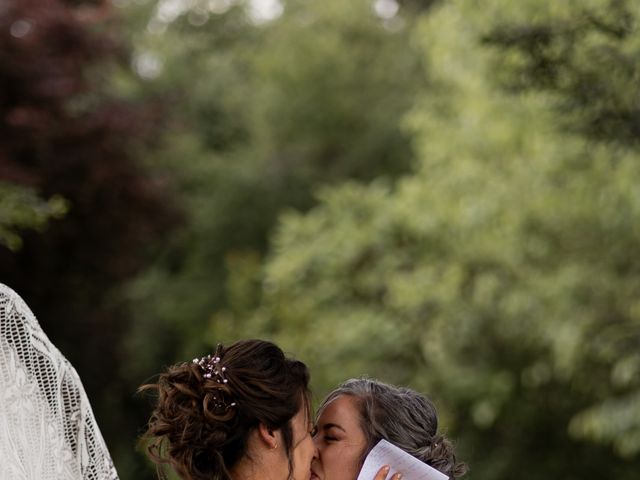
point(403, 417)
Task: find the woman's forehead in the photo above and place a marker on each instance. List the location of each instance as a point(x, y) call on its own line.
point(341, 410)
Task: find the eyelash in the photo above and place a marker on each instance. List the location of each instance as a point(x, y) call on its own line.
point(326, 438)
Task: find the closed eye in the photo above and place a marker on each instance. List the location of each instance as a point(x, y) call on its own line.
point(327, 429)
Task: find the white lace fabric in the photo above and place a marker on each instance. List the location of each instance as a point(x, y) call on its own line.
point(47, 427)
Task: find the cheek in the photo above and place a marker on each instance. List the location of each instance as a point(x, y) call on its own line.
point(311, 448)
point(305, 452)
point(341, 460)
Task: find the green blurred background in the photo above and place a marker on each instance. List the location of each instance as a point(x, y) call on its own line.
point(440, 194)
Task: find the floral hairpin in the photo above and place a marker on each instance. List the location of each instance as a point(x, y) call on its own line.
point(212, 367)
point(220, 405)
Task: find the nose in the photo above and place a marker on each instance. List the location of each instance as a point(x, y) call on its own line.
point(318, 441)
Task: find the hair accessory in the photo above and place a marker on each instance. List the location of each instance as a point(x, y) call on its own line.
point(221, 406)
point(212, 367)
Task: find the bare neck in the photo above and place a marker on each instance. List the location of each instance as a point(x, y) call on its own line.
point(261, 465)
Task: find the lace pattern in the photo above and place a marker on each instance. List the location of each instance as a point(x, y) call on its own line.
point(47, 428)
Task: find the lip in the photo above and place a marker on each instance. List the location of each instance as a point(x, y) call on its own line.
point(313, 476)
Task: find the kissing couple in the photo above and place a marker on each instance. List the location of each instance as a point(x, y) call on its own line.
point(244, 413)
point(241, 413)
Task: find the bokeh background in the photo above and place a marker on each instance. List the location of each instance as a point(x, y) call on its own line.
point(441, 194)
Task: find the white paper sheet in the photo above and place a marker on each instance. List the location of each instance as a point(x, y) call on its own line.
point(385, 453)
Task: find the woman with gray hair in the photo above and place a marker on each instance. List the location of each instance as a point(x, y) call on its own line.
point(361, 412)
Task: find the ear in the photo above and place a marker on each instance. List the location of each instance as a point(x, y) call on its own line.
point(268, 436)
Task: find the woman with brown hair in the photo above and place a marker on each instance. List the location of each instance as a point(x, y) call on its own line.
point(242, 413)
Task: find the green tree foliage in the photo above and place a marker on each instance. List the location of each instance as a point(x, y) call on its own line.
point(584, 54)
point(499, 276)
point(263, 112)
point(472, 232)
point(20, 209)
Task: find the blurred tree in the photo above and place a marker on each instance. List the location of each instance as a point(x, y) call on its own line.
point(264, 112)
point(21, 209)
point(66, 143)
point(585, 56)
point(500, 275)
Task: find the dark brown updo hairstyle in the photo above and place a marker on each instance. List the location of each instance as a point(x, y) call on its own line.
point(403, 417)
point(201, 422)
